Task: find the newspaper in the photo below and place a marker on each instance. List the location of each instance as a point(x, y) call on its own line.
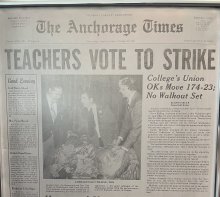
point(102, 101)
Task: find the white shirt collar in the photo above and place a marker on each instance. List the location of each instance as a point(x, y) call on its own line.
point(130, 98)
point(52, 105)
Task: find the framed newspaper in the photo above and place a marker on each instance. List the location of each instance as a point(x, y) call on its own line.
point(103, 100)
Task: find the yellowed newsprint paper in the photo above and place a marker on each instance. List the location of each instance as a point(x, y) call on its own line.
point(109, 101)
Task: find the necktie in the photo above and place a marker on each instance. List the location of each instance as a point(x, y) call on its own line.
point(95, 115)
point(53, 111)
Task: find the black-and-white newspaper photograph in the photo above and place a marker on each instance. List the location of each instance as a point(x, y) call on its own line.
point(91, 127)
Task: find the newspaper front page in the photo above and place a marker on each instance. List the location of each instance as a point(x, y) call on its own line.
point(103, 101)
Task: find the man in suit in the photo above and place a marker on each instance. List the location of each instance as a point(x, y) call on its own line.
point(130, 132)
point(100, 123)
point(54, 123)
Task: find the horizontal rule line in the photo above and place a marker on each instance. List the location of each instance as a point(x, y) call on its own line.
point(95, 43)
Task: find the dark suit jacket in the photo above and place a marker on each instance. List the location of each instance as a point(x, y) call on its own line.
point(58, 128)
point(131, 126)
point(107, 125)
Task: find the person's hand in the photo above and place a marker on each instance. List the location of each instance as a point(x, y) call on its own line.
point(117, 141)
point(70, 133)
